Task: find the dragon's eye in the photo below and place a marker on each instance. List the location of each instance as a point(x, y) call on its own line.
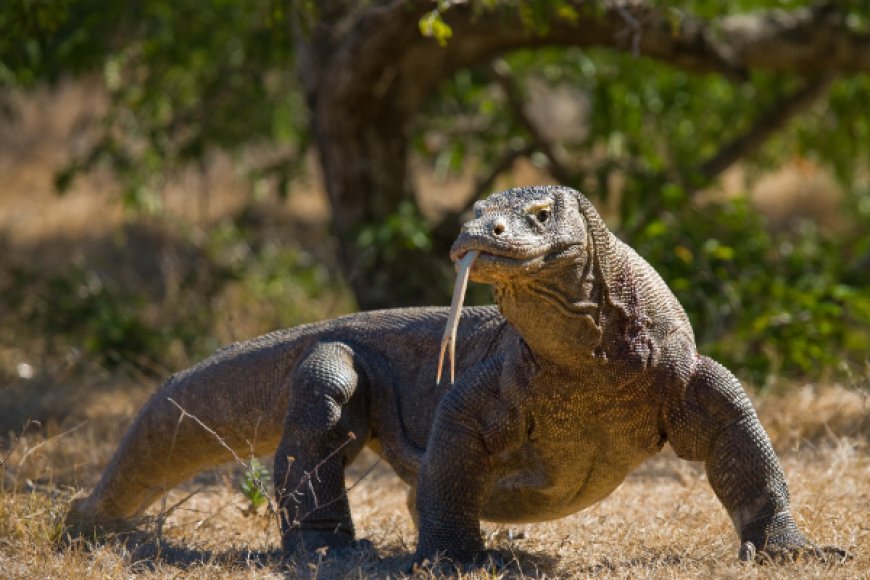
point(543, 215)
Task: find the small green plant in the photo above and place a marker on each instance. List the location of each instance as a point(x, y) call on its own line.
point(253, 484)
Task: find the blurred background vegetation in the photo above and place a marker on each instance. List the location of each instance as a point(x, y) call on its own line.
point(176, 175)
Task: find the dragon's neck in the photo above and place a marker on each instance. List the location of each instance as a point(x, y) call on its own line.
point(558, 310)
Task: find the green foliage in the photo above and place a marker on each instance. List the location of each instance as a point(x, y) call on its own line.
point(792, 302)
point(82, 309)
point(403, 230)
point(836, 135)
point(433, 26)
point(538, 15)
point(45, 39)
point(766, 304)
point(284, 283)
point(186, 80)
point(117, 318)
point(253, 483)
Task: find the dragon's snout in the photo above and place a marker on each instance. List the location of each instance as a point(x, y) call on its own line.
point(490, 225)
point(488, 234)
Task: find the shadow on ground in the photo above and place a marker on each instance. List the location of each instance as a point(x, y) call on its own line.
point(150, 554)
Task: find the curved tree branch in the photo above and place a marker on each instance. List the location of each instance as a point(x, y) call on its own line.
point(805, 41)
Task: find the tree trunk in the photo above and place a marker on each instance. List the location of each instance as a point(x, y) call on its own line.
point(364, 161)
point(363, 92)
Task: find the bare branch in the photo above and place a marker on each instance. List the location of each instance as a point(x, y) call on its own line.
point(41, 444)
point(633, 30)
point(18, 439)
point(773, 120)
point(359, 480)
point(806, 41)
point(515, 100)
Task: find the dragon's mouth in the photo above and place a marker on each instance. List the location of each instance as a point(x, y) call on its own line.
point(491, 261)
point(493, 254)
point(482, 258)
point(488, 257)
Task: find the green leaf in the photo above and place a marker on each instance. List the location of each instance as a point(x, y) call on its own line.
point(432, 25)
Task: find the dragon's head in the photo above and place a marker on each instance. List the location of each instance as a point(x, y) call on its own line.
point(521, 231)
point(546, 251)
point(547, 244)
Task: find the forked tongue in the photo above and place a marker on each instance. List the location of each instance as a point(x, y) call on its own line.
point(449, 338)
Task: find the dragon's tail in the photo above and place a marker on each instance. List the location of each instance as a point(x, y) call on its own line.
point(230, 407)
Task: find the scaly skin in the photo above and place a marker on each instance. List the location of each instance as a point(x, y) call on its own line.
point(586, 368)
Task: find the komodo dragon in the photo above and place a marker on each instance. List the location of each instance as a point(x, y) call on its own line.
point(584, 369)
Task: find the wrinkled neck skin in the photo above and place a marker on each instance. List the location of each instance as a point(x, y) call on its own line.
point(558, 309)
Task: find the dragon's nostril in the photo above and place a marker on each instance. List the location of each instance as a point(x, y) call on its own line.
point(498, 228)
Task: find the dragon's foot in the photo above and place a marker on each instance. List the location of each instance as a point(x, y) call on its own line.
point(328, 544)
point(492, 561)
point(778, 540)
point(786, 553)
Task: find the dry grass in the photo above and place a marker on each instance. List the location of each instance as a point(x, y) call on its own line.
point(663, 522)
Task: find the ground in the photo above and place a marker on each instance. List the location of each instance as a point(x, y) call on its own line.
point(664, 521)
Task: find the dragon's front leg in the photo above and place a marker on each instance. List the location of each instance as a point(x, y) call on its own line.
point(713, 420)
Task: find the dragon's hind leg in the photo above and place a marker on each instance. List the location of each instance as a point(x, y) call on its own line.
point(325, 427)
